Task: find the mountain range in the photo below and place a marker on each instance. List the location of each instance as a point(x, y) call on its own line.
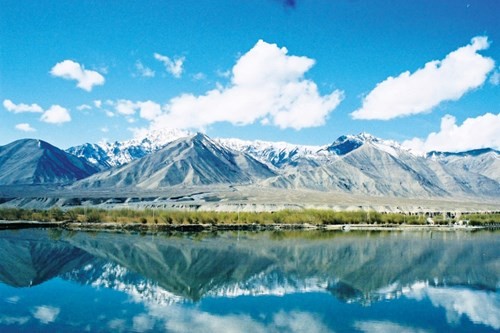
point(357, 164)
point(106, 155)
point(195, 160)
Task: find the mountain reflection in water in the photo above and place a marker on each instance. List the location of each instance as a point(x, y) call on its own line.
point(293, 278)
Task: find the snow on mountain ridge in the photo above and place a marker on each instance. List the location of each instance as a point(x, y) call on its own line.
point(195, 160)
point(118, 153)
point(347, 143)
point(310, 150)
point(352, 163)
point(469, 153)
point(276, 153)
point(157, 138)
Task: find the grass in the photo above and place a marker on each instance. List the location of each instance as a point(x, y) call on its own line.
point(166, 217)
point(481, 219)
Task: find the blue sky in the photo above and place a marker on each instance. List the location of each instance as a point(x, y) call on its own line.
point(83, 71)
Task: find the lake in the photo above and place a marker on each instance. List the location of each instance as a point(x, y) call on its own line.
point(297, 281)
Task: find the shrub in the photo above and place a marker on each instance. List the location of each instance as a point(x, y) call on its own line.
point(56, 214)
point(93, 216)
point(72, 215)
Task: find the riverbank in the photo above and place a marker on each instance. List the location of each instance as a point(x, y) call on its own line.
point(127, 219)
point(139, 227)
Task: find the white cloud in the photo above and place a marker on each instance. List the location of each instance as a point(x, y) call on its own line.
point(385, 326)
point(481, 307)
point(143, 323)
point(174, 67)
point(224, 74)
point(84, 107)
point(199, 76)
point(148, 110)
point(296, 321)
point(98, 103)
point(495, 77)
point(105, 129)
point(143, 71)
point(71, 70)
point(8, 320)
point(46, 314)
point(117, 325)
point(474, 133)
point(181, 320)
point(125, 107)
point(19, 108)
point(25, 127)
point(138, 132)
point(13, 299)
point(267, 85)
point(102, 69)
point(182, 317)
point(56, 115)
point(441, 80)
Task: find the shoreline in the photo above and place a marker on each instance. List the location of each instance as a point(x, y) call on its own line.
point(117, 227)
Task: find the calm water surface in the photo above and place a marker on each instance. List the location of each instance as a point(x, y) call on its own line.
point(59, 281)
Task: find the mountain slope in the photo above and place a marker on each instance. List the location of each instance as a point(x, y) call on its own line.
point(29, 161)
point(367, 165)
point(485, 162)
point(196, 160)
point(106, 155)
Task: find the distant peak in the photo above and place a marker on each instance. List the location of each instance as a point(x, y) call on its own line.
point(32, 143)
point(203, 139)
point(200, 136)
point(162, 135)
point(344, 145)
point(361, 137)
point(347, 143)
point(474, 152)
point(367, 137)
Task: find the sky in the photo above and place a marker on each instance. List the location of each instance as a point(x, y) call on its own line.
point(423, 73)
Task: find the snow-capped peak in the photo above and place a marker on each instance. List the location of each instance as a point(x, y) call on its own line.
point(348, 143)
point(158, 138)
point(117, 153)
point(469, 153)
point(275, 153)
